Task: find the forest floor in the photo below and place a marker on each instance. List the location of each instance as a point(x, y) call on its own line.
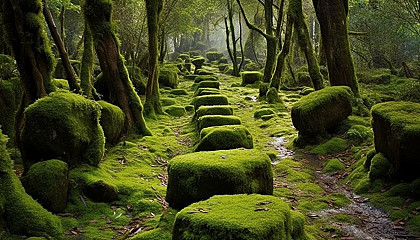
point(137, 167)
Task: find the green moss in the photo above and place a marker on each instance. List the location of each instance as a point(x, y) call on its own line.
point(167, 101)
point(224, 137)
point(316, 204)
point(250, 77)
point(217, 120)
point(214, 56)
point(197, 176)
point(334, 145)
point(202, 78)
point(208, 84)
point(168, 78)
point(206, 91)
point(261, 112)
point(176, 111)
point(415, 188)
point(203, 72)
point(178, 92)
point(310, 189)
point(359, 134)
point(112, 121)
point(48, 183)
point(210, 100)
point(63, 125)
point(213, 110)
point(386, 203)
point(8, 68)
point(379, 167)
point(61, 84)
point(333, 165)
point(10, 98)
point(234, 217)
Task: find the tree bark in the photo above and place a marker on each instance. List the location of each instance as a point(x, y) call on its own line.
point(86, 70)
point(122, 94)
point(332, 17)
point(152, 104)
point(68, 68)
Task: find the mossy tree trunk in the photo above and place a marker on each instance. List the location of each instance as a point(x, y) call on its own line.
point(87, 63)
point(152, 104)
point(98, 16)
point(230, 29)
point(253, 38)
point(59, 42)
point(26, 37)
point(332, 17)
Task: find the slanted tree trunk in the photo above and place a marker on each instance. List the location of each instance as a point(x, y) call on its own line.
point(332, 17)
point(122, 94)
point(152, 104)
point(68, 68)
point(33, 56)
point(86, 70)
point(230, 29)
point(253, 38)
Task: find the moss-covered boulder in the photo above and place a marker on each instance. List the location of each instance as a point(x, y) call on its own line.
point(198, 63)
point(203, 72)
point(224, 137)
point(197, 176)
point(178, 92)
point(112, 121)
point(210, 100)
point(167, 101)
point(205, 78)
point(100, 191)
point(333, 165)
point(62, 126)
point(240, 217)
point(176, 111)
point(48, 183)
point(214, 56)
point(250, 77)
point(319, 111)
point(396, 128)
point(206, 91)
point(168, 78)
point(334, 145)
point(262, 112)
point(217, 120)
point(213, 110)
point(379, 167)
point(19, 212)
point(209, 84)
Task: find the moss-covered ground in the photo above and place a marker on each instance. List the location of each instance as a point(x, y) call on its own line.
point(137, 169)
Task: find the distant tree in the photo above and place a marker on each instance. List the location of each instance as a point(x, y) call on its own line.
point(230, 32)
point(98, 16)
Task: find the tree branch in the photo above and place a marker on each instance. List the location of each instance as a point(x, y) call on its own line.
point(250, 25)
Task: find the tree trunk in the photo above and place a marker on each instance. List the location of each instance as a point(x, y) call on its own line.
point(332, 17)
point(230, 29)
point(152, 104)
point(86, 70)
point(122, 94)
point(68, 68)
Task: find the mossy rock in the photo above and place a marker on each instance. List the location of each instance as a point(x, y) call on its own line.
point(10, 98)
point(61, 84)
point(306, 90)
point(263, 89)
point(214, 56)
point(203, 72)
point(396, 128)
point(224, 137)
point(333, 165)
point(252, 67)
point(379, 167)
point(250, 77)
point(184, 56)
point(48, 183)
point(100, 191)
point(205, 78)
point(198, 63)
point(206, 91)
point(223, 60)
point(334, 145)
point(272, 96)
point(19, 212)
point(217, 120)
point(62, 126)
point(303, 79)
point(191, 77)
point(213, 110)
point(112, 121)
point(178, 92)
point(176, 111)
point(138, 79)
point(167, 101)
point(197, 176)
point(168, 78)
point(240, 217)
point(321, 110)
point(210, 100)
point(267, 117)
point(209, 84)
point(261, 112)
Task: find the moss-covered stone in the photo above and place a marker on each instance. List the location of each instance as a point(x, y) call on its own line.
point(224, 137)
point(191, 77)
point(210, 100)
point(214, 56)
point(379, 167)
point(176, 111)
point(206, 91)
point(168, 78)
point(333, 165)
point(396, 128)
point(209, 84)
point(61, 84)
point(198, 63)
point(62, 126)
point(112, 121)
point(100, 191)
point(203, 72)
point(261, 112)
point(250, 77)
point(205, 78)
point(334, 145)
point(167, 101)
point(178, 92)
point(198, 176)
point(217, 120)
point(20, 213)
point(272, 96)
point(241, 217)
point(321, 110)
point(213, 110)
point(48, 183)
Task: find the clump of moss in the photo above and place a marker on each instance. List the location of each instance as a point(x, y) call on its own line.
point(10, 98)
point(209, 100)
point(202, 78)
point(359, 134)
point(262, 112)
point(214, 56)
point(379, 167)
point(198, 63)
point(213, 110)
point(272, 96)
point(217, 120)
point(334, 145)
point(48, 183)
point(168, 78)
point(64, 126)
point(250, 77)
point(206, 91)
point(8, 68)
point(316, 204)
point(167, 101)
point(176, 111)
point(197, 176)
point(112, 121)
point(178, 92)
point(333, 165)
point(224, 137)
point(209, 84)
point(238, 217)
